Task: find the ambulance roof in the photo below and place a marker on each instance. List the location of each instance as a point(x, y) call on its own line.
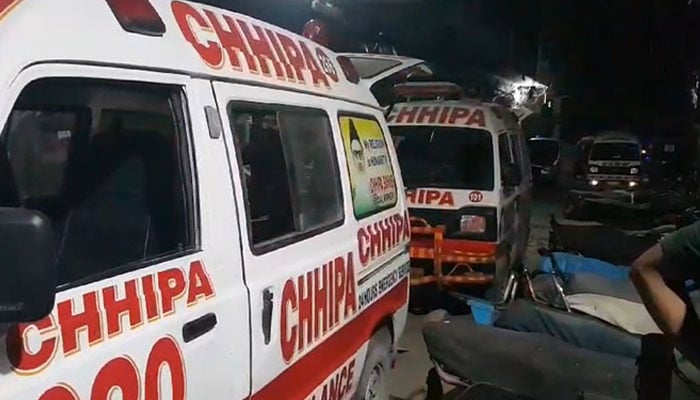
point(616, 137)
point(466, 113)
point(543, 139)
point(199, 40)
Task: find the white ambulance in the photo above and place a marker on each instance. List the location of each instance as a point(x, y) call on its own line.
point(466, 168)
point(185, 213)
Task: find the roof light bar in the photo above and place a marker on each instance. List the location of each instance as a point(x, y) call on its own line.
point(137, 16)
point(428, 89)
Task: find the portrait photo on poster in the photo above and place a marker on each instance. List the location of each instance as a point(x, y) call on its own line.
point(369, 165)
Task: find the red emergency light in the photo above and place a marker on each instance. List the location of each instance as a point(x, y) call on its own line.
point(317, 31)
point(429, 90)
point(137, 16)
point(348, 69)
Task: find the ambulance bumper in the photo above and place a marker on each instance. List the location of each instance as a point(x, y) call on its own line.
point(454, 262)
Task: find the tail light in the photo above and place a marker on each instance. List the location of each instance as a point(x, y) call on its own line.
point(137, 16)
point(348, 69)
point(472, 224)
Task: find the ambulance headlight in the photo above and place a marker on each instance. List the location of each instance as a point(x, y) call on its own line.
point(594, 182)
point(593, 169)
point(634, 170)
point(633, 184)
point(472, 224)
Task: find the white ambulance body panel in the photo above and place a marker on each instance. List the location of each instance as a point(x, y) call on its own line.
point(202, 295)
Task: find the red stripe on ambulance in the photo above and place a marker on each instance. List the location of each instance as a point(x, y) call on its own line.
point(310, 371)
point(7, 5)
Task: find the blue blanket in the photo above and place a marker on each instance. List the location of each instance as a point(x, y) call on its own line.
point(571, 264)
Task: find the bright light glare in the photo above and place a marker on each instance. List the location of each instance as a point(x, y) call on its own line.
point(594, 182)
point(633, 184)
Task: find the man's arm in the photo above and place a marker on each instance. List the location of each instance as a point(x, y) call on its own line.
point(663, 303)
point(659, 276)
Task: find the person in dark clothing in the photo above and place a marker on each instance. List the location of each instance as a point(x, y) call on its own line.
point(660, 275)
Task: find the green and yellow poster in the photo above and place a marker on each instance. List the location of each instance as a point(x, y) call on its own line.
point(369, 165)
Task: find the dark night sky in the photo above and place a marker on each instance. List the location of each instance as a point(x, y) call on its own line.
point(621, 61)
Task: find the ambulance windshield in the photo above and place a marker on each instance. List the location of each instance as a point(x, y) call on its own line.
point(620, 151)
point(456, 158)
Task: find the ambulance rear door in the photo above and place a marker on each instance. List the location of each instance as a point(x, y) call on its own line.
point(380, 73)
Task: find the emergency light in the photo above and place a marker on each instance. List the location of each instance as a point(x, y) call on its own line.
point(428, 89)
point(137, 16)
point(348, 69)
point(317, 31)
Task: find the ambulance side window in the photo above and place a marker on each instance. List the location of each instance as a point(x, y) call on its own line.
point(106, 161)
point(290, 172)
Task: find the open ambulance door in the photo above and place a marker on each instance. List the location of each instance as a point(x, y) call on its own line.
point(381, 72)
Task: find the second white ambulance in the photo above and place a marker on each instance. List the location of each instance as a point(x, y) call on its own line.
point(466, 168)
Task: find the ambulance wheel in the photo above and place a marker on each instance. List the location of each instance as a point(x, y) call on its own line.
point(374, 382)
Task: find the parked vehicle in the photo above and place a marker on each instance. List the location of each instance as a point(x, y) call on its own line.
point(544, 158)
point(615, 162)
point(583, 151)
point(467, 173)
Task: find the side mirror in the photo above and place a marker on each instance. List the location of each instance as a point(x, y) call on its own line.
point(28, 258)
point(511, 176)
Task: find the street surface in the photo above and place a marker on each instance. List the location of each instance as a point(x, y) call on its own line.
point(408, 378)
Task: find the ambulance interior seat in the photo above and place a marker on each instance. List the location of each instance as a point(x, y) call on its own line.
point(53, 205)
point(268, 188)
point(122, 204)
point(9, 192)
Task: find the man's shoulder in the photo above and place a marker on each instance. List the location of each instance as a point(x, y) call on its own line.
point(683, 243)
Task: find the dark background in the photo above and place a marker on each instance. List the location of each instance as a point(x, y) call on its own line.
point(617, 63)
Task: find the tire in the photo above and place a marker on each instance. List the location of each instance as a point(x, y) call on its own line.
point(374, 381)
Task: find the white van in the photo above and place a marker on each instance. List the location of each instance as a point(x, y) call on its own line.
point(184, 212)
point(615, 162)
point(465, 166)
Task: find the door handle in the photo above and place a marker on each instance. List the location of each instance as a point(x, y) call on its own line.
point(198, 327)
point(267, 314)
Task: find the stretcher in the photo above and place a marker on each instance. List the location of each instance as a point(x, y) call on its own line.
point(543, 350)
